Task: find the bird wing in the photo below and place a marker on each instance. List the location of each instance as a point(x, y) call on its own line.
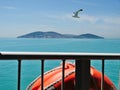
point(76, 13)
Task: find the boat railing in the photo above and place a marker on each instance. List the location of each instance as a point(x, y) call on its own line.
point(82, 63)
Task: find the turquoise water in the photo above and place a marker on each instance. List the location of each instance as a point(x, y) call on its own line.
point(31, 69)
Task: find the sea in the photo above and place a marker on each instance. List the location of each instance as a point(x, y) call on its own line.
point(31, 69)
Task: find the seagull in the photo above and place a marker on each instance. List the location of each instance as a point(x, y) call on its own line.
point(76, 13)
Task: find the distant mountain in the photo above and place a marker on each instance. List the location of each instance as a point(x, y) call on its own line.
point(88, 35)
point(51, 34)
point(40, 34)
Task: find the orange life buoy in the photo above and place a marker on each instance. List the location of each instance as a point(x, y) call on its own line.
point(53, 79)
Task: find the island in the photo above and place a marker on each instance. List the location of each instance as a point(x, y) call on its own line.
point(51, 34)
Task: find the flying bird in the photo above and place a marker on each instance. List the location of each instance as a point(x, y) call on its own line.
point(76, 13)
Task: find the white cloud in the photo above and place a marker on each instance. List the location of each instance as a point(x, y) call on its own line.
point(90, 19)
point(9, 7)
point(112, 20)
point(95, 19)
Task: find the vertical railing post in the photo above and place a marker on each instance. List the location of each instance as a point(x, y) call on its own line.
point(63, 74)
point(42, 74)
point(82, 76)
point(19, 74)
point(102, 80)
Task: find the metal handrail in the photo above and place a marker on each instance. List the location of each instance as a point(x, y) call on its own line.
point(82, 62)
point(57, 55)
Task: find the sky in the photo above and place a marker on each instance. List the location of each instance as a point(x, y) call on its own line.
point(100, 17)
